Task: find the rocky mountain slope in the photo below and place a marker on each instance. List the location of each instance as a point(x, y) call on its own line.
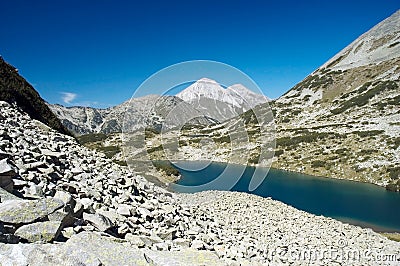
point(142, 112)
point(205, 99)
point(341, 121)
point(62, 204)
point(15, 89)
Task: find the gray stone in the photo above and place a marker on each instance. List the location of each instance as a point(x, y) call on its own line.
point(123, 229)
point(5, 195)
point(66, 218)
point(182, 258)
point(6, 169)
point(39, 232)
point(124, 209)
point(135, 240)
point(112, 215)
point(63, 196)
point(34, 166)
point(53, 154)
point(150, 240)
point(47, 170)
point(76, 171)
point(167, 234)
point(18, 183)
point(68, 232)
point(99, 221)
point(86, 202)
point(86, 248)
point(35, 190)
point(27, 211)
point(197, 244)
point(182, 242)
point(161, 246)
point(144, 212)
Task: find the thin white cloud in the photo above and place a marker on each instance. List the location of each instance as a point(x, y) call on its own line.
point(68, 97)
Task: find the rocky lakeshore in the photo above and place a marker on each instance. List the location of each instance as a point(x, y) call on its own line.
point(63, 204)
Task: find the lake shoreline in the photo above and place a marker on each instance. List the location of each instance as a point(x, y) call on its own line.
point(291, 171)
point(297, 189)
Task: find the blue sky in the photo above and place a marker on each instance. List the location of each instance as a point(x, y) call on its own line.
point(97, 53)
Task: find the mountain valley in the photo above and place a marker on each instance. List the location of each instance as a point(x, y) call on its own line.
point(88, 186)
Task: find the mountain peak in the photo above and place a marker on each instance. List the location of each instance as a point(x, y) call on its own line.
point(207, 94)
point(207, 80)
point(204, 87)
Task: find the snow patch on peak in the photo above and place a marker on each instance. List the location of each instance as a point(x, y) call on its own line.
point(207, 80)
point(236, 95)
point(217, 102)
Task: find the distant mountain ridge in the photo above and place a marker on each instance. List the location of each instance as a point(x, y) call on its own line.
point(147, 111)
point(205, 99)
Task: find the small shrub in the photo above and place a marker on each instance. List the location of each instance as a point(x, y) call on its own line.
point(150, 132)
point(121, 163)
point(222, 139)
point(318, 163)
point(363, 98)
point(154, 149)
point(109, 151)
point(341, 151)
point(89, 138)
point(166, 167)
point(394, 172)
point(368, 133)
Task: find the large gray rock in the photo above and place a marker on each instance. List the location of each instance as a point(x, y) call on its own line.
point(88, 249)
point(65, 215)
point(182, 258)
point(5, 195)
point(65, 197)
point(92, 249)
point(6, 168)
point(124, 209)
point(53, 154)
point(39, 232)
point(66, 218)
point(27, 211)
point(99, 221)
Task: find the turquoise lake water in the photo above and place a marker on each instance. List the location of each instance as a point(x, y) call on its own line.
point(357, 203)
